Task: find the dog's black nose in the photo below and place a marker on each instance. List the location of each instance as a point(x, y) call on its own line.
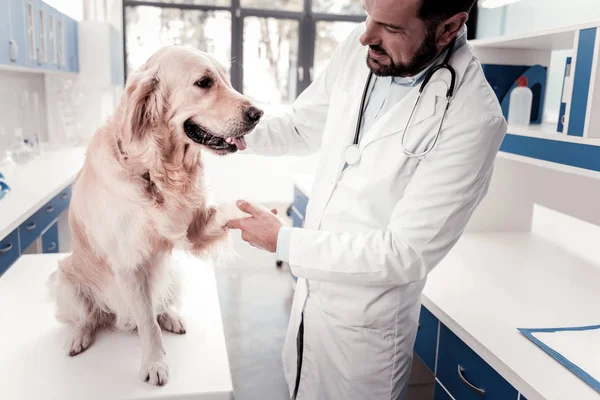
point(253, 114)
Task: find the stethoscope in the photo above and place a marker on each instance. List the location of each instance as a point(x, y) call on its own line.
point(352, 154)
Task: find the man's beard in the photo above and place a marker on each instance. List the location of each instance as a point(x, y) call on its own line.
point(424, 56)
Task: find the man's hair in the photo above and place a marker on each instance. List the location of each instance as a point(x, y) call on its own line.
point(439, 10)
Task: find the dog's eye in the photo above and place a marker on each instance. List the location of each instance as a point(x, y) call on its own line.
point(204, 83)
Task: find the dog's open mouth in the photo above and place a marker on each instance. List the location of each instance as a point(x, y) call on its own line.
point(217, 143)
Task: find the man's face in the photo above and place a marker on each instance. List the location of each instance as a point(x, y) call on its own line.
point(400, 44)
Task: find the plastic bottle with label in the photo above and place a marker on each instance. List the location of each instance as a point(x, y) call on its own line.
point(521, 99)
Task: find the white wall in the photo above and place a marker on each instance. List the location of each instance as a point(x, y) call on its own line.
point(12, 115)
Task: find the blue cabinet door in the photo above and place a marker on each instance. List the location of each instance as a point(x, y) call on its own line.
point(41, 32)
point(440, 393)
point(30, 23)
point(52, 17)
point(72, 41)
point(9, 250)
point(4, 33)
point(465, 374)
point(18, 32)
point(427, 335)
point(50, 239)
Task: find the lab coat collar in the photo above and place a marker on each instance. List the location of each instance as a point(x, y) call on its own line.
point(432, 100)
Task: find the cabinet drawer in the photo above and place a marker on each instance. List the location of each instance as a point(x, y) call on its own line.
point(426, 343)
point(50, 239)
point(440, 393)
point(30, 230)
point(9, 250)
point(466, 375)
point(300, 202)
point(61, 201)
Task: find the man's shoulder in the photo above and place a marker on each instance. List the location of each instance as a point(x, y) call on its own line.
point(479, 97)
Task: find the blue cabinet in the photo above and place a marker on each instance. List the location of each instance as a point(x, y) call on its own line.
point(9, 250)
point(466, 375)
point(17, 38)
point(427, 336)
point(50, 239)
point(5, 33)
point(72, 45)
point(38, 37)
point(440, 393)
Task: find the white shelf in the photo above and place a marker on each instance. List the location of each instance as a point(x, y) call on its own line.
point(490, 284)
point(561, 38)
point(550, 165)
point(548, 131)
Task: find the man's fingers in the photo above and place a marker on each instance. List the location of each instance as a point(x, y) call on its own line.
point(235, 224)
point(248, 207)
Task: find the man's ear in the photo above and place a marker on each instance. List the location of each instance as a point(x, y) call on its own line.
point(448, 29)
point(144, 103)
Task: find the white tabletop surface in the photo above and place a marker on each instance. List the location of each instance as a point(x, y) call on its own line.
point(34, 364)
point(493, 283)
point(35, 183)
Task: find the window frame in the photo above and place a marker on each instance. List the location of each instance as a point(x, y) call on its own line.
point(307, 23)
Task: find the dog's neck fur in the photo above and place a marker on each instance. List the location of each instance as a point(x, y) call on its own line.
point(179, 169)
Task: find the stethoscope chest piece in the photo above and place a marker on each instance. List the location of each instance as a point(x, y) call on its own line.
point(352, 155)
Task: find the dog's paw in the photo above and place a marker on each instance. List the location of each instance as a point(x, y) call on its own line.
point(172, 323)
point(126, 324)
point(155, 373)
point(81, 341)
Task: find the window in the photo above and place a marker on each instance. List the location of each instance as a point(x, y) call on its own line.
point(272, 49)
point(150, 28)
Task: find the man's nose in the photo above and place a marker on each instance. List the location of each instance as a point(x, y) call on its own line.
point(369, 37)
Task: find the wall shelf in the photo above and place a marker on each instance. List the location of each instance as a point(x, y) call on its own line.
point(561, 38)
point(548, 131)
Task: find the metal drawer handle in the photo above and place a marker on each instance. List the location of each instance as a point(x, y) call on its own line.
point(6, 248)
point(474, 388)
point(52, 247)
point(64, 196)
point(30, 227)
point(49, 209)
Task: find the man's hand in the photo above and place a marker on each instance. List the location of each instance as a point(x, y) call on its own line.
point(260, 230)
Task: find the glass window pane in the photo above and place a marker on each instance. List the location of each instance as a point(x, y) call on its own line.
point(270, 59)
point(329, 36)
point(346, 7)
point(219, 3)
point(287, 5)
point(150, 28)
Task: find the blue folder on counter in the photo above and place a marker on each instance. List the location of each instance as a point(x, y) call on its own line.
point(575, 348)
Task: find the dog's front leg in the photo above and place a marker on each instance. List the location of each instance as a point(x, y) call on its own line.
point(134, 287)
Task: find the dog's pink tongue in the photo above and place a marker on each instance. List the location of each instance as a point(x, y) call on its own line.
point(240, 142)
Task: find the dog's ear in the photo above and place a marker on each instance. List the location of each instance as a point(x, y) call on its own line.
point(144, 103)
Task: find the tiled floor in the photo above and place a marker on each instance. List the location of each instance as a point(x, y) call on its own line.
point(255, 304)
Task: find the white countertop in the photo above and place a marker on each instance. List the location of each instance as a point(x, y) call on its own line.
point(35, 366)
point(35, 183)
point(490, 284)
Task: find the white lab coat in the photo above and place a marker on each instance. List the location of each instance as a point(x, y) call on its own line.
point(376, 229)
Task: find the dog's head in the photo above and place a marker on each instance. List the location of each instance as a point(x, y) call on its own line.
point(188, 92)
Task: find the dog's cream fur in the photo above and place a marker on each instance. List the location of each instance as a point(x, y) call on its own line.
point(138, 196)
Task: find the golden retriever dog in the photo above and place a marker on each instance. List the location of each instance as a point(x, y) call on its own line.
point(140, 195)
